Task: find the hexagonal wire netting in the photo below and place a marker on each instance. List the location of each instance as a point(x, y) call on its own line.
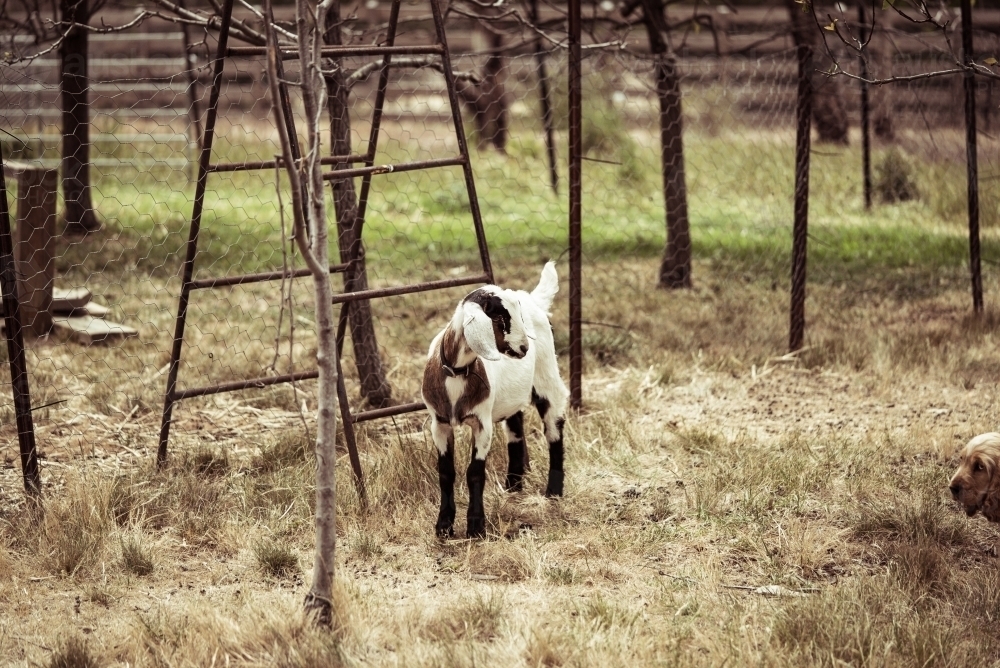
point(147, 97)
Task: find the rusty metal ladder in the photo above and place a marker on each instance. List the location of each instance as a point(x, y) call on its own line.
point(369, 169)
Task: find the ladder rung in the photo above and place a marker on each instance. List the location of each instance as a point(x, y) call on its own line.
point(223, 281)
point(334, 51)
point(377, 413)
point(391, 169)
point(376, 293)
point(270, 164)
point(244, 385)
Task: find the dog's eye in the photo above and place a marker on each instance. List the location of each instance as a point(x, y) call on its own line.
point(978, 467)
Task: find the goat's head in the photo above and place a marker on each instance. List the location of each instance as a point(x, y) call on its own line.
point(493, 324)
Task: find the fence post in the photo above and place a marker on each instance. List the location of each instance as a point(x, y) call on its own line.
point(803, 119)
point(971, 161)
point(575, 193)
point(866, 139)
point(15, 350)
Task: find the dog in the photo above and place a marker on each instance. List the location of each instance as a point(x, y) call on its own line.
point(976, 483)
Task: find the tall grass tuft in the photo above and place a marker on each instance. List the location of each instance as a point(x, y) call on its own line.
point(894, 180)
point(275, 559)
point(137, 559)
point(73, 653)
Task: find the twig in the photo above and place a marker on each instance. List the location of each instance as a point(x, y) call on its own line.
point(368, 69)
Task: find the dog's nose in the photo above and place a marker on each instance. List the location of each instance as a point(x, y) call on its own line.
point(524, 350)
point(955, 489)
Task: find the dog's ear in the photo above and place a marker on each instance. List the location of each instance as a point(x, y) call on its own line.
point(479, 333)
point(991, 504)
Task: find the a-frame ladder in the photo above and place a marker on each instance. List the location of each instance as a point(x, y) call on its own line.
point(366, 171)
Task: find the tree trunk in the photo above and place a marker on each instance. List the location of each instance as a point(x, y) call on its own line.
point(488, 99)
point(307, 183)
point(675, 267)
point(546, 100)
point(73, 81)
point(374, 386)
point(828, 112)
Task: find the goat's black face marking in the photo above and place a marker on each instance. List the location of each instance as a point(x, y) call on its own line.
point(492, 306)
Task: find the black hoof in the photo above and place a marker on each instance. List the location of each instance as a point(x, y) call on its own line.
point(515, 482)
point(555, 486)
point(445, 527)
point(477, 527)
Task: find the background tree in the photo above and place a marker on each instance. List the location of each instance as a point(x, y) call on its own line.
point(80, 217)
point(67, 34)
point(675, 267)
point(828, 111)
point(487, 97)
point(374, 386)
point(311, 236)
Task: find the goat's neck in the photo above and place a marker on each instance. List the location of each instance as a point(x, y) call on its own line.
point(454, 351)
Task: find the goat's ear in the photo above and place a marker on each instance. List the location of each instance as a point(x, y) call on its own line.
point(479, 333)
point(991, 504)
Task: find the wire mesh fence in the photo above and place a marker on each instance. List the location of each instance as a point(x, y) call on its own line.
point(98, 377)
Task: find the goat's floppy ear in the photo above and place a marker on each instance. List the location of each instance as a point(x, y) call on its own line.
point(991, 504)
point(479, 333)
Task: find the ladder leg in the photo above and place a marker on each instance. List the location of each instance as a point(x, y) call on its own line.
point(383, 82)
point(463, 146)
point(293, 137)
point(192, 244)
point(345, 413)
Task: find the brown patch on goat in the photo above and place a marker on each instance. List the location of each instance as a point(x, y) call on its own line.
point(477, 388)
point(451, 347)
point(433, 390)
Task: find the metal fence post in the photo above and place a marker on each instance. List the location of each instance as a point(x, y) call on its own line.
point(575, 195)
point(803, 122)
point(971, 160)
point(866, 139)
point(15, 350)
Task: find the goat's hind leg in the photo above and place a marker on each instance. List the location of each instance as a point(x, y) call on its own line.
point(517, 451)
point(444, 439)
point(552, 414)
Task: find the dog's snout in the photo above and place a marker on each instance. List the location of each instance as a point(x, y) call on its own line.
point(524, 350)
point(955, 489)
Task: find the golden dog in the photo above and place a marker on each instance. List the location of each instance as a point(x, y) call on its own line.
point(976, 484)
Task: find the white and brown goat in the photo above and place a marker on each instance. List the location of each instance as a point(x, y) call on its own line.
point(494, 358)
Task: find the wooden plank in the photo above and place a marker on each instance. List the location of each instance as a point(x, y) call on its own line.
point(92, 309)
point(89, 330)
point(65, 300)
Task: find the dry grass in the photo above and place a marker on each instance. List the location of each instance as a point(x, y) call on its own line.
point(704, 466)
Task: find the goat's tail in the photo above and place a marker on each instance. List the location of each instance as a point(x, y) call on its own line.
point(547, 287)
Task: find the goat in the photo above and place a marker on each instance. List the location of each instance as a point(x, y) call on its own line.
point(495, 357)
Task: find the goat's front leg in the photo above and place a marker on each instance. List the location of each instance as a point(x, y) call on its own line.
point(482, 433)
point(444, 439)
